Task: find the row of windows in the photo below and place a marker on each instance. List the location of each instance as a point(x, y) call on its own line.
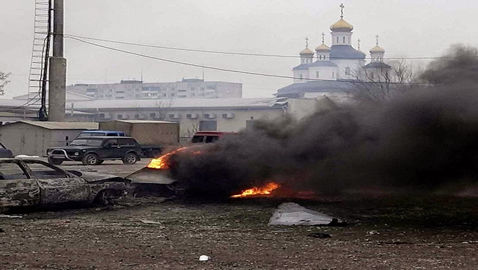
point(157, 116)
point(317, 74)
point(343, 39)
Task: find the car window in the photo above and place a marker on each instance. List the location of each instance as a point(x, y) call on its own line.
point(86, 142)
point(127, 142)
point(45, 171)
point(11, 171)
point(111, 143)
point(197, 139)
point(210, 139)
point(91, 134)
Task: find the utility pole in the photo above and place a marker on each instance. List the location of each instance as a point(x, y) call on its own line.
point(57, 82)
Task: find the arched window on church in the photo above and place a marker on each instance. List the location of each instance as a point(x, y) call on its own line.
point(317, 74)
point(347, 71)
point(333, 75)
point(344, 40)
point(300, 76)
point(337, 40)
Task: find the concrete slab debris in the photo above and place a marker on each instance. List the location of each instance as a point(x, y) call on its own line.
point(289, 214)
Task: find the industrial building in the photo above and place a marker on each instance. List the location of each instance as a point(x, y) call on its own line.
point(231, 115)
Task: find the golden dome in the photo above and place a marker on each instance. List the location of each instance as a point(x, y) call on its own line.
point(341, 26)
point(322, 48)
point(306, 51)
point(377, 49)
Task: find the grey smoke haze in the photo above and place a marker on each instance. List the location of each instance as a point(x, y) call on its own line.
point(406, 28)
point(423, 138)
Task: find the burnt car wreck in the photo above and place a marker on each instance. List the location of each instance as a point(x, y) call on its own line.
point(30, 182)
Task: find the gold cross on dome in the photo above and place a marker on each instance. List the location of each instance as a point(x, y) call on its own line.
point(323, 38)
point(377, 40)
point(307, 42)
point(342, 10)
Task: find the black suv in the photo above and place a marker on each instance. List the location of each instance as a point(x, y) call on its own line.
point(95, 150)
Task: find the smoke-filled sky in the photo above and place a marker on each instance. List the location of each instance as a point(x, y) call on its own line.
point(407, 28)
point(420, 138)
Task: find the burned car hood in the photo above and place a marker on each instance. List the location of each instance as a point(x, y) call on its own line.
point(151, 176)
point(91, 177)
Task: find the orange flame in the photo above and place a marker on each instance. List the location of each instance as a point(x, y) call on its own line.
point(162, 163)
point(255, 191)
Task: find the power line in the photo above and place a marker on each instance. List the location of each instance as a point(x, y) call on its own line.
point(232, 53)
point(212, 67)
point(181, 49)
point(185, 63)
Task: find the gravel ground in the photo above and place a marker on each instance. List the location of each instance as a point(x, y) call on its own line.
point(151, 233)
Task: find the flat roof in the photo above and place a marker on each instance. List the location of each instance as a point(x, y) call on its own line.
point(143, 122)
point(178, 103)
point(59, 125)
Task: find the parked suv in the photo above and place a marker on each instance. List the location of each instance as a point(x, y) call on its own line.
point(95, 150)
point(96, 133)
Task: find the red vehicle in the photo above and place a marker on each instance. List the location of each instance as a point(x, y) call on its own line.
point(209, 136)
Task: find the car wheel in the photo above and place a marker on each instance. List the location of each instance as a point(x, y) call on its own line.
point(99, 162)
point(90, 159)
point(55, 161)
point(130, 158)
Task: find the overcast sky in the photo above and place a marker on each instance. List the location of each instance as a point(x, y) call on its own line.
point(407, 28)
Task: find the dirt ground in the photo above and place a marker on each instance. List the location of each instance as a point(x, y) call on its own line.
point(150, 233)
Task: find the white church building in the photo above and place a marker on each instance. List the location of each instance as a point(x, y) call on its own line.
point(335, 69)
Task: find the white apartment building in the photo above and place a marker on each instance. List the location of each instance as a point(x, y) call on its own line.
point(132, 89)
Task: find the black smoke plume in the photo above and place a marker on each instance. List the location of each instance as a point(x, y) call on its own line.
point(424, 138)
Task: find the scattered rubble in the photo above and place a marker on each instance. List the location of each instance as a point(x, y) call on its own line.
point(10, 216)
point(145, 221)
point(319, 235)
point(289, 214)
point(204, 258)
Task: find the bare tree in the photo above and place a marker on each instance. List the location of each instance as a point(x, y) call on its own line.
point(383, 81)
point(3, 82)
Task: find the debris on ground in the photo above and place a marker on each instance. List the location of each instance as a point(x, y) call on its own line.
point(204, 258)
point(372, 233)
point(289, 214)
point(10, 216)
point(319, 235)
point(145, 221)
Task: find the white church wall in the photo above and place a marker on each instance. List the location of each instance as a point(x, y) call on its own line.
point(341, 38)
point(353, 65)
point(301, 76)
point(322, 73)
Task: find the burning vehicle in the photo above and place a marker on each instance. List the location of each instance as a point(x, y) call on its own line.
point(161, 175)
point(30, 182)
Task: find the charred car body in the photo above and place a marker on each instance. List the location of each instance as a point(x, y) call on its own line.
point(29, 182)
point(95, 150)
